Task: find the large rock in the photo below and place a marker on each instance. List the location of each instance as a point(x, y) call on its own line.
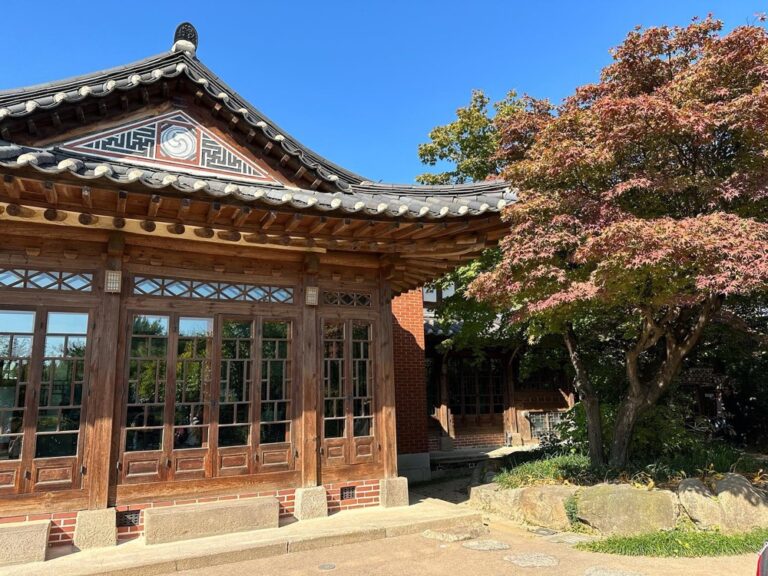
point(545, 506)
point(537, 505)
point(700, 504)
point(494, 498)
point(743, 505)
point(622, 509)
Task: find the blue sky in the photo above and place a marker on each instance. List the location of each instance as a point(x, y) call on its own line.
point(361, 82)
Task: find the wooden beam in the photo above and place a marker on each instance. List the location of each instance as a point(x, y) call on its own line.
point(85, 194)
point(12, 186)
point(184, 207)
point(122, 199)
point(267, 220)
point(294, 222)
point(155, 202)
point(87, 219)
point(340, 227)
point(214, 209)
point(51, 195)
point(240, 216)
point(318, 225)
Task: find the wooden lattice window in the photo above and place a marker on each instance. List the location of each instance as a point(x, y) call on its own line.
point(362, 379)
point(342, 298)
point(235, 384)
point(334, 379)
point(43, 382)
point(209, 290)
point(544, 423)
point(193, 378)
point(147, 380)
point(46, 280)
point(61, 386)
point(16, 337)
point(275, 382)
point(475, 388)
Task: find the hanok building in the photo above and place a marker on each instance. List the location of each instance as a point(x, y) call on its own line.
point(194, 306)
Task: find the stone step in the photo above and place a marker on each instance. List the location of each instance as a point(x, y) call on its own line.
point(175, 523)
point(23, 542)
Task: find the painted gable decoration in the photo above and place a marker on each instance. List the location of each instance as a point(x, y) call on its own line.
point(172, 140)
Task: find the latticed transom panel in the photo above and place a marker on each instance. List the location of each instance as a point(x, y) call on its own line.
point(46, 280)
point(146, 286)
point(339, 298)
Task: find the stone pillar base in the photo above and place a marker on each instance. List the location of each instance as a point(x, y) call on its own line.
point(393, 492)
point(23, 542)
point(96, 528)
point(310, 503)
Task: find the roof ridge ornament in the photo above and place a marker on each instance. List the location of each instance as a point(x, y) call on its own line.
point(185, 39)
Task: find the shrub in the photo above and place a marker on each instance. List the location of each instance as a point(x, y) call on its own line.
point(558, 469)
point(680, 543)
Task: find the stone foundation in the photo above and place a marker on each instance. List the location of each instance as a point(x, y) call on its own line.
point(23, 542)
point(96, 528)
point(310, 503)
point(394, 492)
point(163, 525)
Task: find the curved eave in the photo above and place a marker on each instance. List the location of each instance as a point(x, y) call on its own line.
point(23, 102)
point(434, 204)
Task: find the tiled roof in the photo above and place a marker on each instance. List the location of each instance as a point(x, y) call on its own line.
point(410, 202)
point(354, 194)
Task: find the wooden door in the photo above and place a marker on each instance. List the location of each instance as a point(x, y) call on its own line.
point(347, 389)
point(43, 383)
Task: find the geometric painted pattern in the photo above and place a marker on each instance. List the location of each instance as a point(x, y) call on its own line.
point(356, 299)
point(172, 139)
point(146, 286)
point(46, 280)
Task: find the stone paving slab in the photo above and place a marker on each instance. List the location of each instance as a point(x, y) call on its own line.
point(137, 559)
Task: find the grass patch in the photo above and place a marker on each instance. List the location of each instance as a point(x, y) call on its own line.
point(680, 544)
point(567, 468)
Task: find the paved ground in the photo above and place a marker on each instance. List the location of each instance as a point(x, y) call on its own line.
point(416, 555)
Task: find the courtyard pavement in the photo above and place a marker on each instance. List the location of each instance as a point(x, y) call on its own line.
point(526, 554)
point(416, 555)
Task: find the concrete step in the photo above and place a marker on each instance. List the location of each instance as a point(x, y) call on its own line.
point(135, 558)
point(175, 523)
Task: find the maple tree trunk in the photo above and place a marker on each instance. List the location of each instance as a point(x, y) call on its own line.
point(626, 418)
point(589, 399)
point(644, 394)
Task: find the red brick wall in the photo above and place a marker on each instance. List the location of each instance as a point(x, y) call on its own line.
point(62, 525)
point(410, 385)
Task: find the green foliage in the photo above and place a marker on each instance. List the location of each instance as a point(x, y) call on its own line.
point(469, 143)
point(680, 543)
point(659, 432)
point(557, 469)
point(572, 511)
point(662, 448)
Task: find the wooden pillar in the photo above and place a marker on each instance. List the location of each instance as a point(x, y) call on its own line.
point(510, 411)
point(102, 383)
point(386, 377)
point(310, 380)
point(444, 413)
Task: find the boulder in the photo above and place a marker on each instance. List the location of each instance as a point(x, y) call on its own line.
point(744, 507)
point(545, 506)
point(624, 510)
point(700, 504)
point(537, 505)
point(494, 498)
